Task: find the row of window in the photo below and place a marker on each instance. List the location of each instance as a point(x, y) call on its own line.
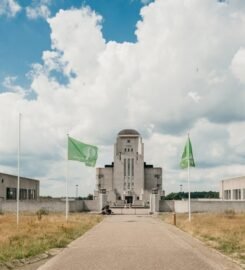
point(120, 154)
point(235, 194)
point(25, 194)
point(119, 198)
point(128, 167)
point(128, 150)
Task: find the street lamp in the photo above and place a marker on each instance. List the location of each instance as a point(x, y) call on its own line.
point(76, 191)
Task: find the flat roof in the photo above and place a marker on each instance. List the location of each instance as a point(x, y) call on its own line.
point(21, 177)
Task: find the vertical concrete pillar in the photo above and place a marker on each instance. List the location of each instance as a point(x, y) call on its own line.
point(151, 204)
point(232, 194)
point(154, 202)
point(102, 199)
point(221, 192)
point(242, 194)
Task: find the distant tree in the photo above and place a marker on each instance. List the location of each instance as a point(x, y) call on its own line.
point(89, 197)
point(174, 196)
point(194, 195)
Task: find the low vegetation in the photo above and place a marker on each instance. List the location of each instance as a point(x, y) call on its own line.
point(39, 233)
point(194, 195)
point(225, 232)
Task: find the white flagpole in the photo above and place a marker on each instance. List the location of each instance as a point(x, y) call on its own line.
point(67, 175)
point(189, 192)
point(18, 180)
point(189, 195)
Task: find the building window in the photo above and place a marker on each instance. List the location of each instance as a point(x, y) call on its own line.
point(128, 185)
point(132, 184)
point(11, 193)
point(227, 195)
point(119, 197)
point(236, 194)
point(131, 149)
point(23, 194)
point(119, 155)
point(125, 149)
point(128, 149)
point(138, 197)
point(125, 167)
point(132, 167)
point(128, 167)
point(128, 141)
point(31, 194)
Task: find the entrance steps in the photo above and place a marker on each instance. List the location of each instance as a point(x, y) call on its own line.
point(130, 211)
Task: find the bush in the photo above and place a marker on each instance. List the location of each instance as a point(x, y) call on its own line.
point(42, 212)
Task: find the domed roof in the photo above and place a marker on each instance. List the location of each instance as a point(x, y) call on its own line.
point(126, 132)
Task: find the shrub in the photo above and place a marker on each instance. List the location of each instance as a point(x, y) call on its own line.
point(41, 212)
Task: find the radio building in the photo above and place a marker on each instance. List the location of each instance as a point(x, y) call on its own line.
point(128, 179)
point(29, 188)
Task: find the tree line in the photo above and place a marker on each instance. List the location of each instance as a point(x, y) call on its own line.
point(194, 195)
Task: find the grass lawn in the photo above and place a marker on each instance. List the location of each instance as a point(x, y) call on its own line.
point(36, 235)
point(225, 232)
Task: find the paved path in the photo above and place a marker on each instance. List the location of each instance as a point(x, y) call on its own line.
point(137, 243)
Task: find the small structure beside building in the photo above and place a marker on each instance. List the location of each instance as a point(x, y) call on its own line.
point(29, 188)
point(233, 189)
point(128, 180)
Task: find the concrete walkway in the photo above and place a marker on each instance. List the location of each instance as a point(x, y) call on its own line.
point(137, 243)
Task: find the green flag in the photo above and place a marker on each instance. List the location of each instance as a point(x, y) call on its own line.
point(82, 152)
point(187, 155)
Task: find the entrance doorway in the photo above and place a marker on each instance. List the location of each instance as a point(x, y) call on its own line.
point(129, 199)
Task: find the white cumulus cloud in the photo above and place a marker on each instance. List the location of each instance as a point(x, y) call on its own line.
point(185, 51)
point(9, 8)
point(38, 9)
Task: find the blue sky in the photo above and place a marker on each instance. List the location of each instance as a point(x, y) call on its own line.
point(182, 70)
point(22, 40)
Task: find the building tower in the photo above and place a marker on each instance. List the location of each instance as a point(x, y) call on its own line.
point(128, 179)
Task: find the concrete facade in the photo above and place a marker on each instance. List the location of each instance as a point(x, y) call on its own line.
point(29, 188)
point(233, 189)
point(128, 179)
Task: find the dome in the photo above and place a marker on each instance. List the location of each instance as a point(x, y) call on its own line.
point(129, 132)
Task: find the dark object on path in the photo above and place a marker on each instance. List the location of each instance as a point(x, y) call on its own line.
point(106, 210)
